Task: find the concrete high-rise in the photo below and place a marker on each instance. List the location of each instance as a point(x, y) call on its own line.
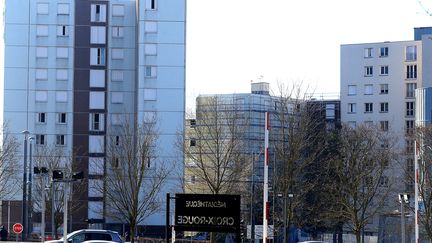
point(74, 69)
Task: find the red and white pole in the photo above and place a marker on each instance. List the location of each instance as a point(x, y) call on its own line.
point(265, 190)
point(416, 191)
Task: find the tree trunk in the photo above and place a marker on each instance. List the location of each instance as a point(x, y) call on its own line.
point(132, 233)
point(358, 236)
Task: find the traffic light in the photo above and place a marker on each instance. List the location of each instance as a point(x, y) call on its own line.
point(78, 175)
point(40, 170)
point(242, 229)
point(57, 175)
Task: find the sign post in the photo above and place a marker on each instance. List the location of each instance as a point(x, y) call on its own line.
point(17, 228)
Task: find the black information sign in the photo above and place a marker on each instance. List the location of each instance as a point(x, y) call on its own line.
point(207, 212)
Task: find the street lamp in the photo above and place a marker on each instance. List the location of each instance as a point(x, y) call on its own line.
point(24, 198)
point(403, 199)
point(30, 189)
point(285, 197)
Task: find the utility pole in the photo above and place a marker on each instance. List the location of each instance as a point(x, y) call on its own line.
point(24, 198)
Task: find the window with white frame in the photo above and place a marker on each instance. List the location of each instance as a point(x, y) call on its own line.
point(96, 144)
point(330, 111)
point(384, 70)
point(411, 71)
point(150, 49)
point(410, 90)
point(118, 10)
point(117, 75)
point(61, 96)
point(149, 94)
point(117, 31)
point(150, 71)
point(62, 74)
point(60, 140)
point(97, 56)
point(352, 107)
point(98, 13)
point(150, 27)
point(384, 89)
point(368, 52)
point(41, 117)
point(116, 97)
point(41, 52)
point(62, 52)
point(117, 53)
point(97, 122)
point(409, 108)
point(41, 74)
point(41, 30)
point(62, 30)
point(97, 34)
point(368, 107)
point(61, 118)
point(96, 166)
point(409, 127)
point(384, 107)
point(42, 8)
point(352, 89)
point(368, 89)
point(384, 52)
point(41, 96)
point(97, 100)
point(384, 125)
point(40, 139)
point(150, 5)
point(97, 78)
point(63, 8)
point(411, 53)
point(368, 71)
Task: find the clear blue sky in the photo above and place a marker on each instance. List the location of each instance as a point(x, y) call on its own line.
point(231, 42)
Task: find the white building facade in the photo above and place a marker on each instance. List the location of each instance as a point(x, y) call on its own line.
point(74, 69)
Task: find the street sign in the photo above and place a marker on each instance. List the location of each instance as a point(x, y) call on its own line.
point(17, 228)
point(206, 212)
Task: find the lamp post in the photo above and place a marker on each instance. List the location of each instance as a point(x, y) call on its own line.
point(403, 198)
point(24, 198)
point(29, 222)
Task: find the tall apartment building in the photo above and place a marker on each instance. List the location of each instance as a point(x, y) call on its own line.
point(378, 83)
point(73, 70)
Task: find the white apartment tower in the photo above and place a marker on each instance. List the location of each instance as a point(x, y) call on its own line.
point(74, 69)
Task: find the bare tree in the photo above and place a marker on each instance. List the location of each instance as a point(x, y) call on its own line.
point(8, 164)
point(359, 170)
point(134, 174)
point(214, 147)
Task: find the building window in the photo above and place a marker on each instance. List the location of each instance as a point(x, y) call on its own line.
point(192, 143)
point(96, 144)
point(368, 52)
point(116, 119)
point(42, 30)
point(61, 96)
point(97, 100)
point(117, 75)
point(150, 71)
point(368, 71)
point(384, 126)
point(410, 164)
point(150, 49)
point(97, 34)
point(368, 107)
point(409, 127)
point(41, 117)
point(384, 107)
point(117, 31)
point(352, 107)
point(116, 97)
point(61, 118)
point(42, 8)
point(150, 27)
point(41, 74)
point(98, 13)
point(384, 70)
point(41, 52)
point(411, 71)
point(63, 8)
point(384, 52)
point(352, 89)
point(117, 53)
point(411, 53)
point(97, 121)
point(97, 56)
point(410, 108)
point(368, 89)
point(410, 90)
point(60, 140)
point(151, 5)
point(62, 74)
point(41, 96)
point(62, 52)
point(384, 181)
point(97, 78)
point(149, 94)
point(117, 10)
point(383, 88)
point(330, 111)
point(40, 139)
point(409, 146)
point(62, 30)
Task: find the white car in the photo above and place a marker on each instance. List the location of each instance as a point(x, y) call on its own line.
point(101, 236)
